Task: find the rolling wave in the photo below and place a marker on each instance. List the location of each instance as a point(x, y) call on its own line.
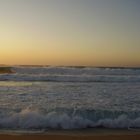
point(68, 119)
point(69, 78)
point(76, 71)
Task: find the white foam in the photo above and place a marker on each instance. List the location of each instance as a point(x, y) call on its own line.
point(28, 119)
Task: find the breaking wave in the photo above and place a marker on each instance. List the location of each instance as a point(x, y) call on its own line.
point(68, 119)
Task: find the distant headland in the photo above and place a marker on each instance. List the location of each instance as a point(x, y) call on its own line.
point(4, 69)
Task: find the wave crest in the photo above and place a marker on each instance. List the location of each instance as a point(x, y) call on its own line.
point(28, 119)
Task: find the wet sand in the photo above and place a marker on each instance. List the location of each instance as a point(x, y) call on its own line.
point(67, 137)
point(93, 134)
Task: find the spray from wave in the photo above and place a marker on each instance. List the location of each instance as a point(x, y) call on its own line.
point(30, 119)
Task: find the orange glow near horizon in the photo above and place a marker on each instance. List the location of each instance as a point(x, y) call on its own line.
point(75, 33)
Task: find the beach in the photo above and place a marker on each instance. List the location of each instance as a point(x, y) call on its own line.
point(83, 134)
point(70, 70)
point(70, 137)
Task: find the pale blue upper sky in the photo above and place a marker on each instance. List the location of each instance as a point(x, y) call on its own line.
point(70, 32)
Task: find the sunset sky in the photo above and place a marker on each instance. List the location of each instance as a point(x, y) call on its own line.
point(70, 32)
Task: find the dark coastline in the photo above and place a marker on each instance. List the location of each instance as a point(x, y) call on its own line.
point(4, 70)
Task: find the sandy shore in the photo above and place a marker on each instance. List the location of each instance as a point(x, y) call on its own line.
point(88, 134)
point(67, 137)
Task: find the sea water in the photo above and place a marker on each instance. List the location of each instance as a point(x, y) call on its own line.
point(41, 98)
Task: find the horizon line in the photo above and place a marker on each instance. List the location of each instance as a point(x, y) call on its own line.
point(77, 66)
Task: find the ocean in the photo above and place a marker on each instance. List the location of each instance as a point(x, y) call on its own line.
point(68, 98)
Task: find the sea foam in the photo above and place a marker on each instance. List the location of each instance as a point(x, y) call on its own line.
point(31, 119)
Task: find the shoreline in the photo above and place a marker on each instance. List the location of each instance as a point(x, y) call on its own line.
point(69, 137)
point(87, 134)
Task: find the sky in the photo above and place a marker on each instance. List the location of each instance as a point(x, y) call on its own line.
point(70, 32)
